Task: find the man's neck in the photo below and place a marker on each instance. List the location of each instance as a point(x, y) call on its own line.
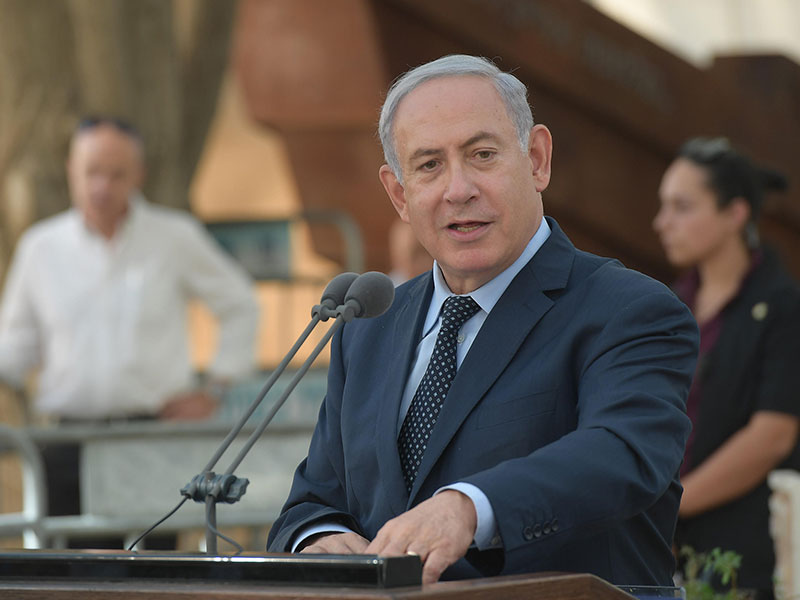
point(110, 228)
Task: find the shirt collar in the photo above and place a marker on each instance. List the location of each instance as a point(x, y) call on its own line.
point(489, 293)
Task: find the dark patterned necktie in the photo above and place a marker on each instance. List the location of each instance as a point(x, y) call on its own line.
point(432, 390)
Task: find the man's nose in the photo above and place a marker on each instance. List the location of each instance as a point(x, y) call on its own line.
point(100, 183)
point(460, 185)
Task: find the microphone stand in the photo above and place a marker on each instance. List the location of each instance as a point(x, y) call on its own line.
point(316, 318)
point(366, 295)
point(340, 321)
point(207, 486)
point(227, 486)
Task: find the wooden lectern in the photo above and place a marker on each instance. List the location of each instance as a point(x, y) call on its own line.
point(81, 575)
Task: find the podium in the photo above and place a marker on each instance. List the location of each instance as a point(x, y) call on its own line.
point(36, 575)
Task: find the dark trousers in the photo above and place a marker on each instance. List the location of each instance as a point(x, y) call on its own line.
point(62, 473)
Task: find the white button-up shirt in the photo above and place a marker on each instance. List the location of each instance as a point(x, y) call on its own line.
point(105, 320)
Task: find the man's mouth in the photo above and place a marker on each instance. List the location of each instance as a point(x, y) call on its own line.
point(465, 227)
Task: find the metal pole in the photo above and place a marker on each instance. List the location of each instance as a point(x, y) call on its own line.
point(211, 517)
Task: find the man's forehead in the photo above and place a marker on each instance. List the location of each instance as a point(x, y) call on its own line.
point(96, 139)
point(432, 91)
point(445, 115)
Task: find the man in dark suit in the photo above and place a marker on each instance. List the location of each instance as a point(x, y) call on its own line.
point(557, 443)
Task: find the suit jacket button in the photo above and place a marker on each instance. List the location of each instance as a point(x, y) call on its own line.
point(546, 529)
point(554, 525)
point(537, 531)
point(527, 533)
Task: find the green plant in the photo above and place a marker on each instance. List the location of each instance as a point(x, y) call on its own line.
point(700, 567)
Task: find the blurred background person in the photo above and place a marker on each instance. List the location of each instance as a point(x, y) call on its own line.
point(744, 402)
point(408, 257)
point(96, 300)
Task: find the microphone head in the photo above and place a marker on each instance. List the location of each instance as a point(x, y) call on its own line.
point(336, 290)
point(373, 292)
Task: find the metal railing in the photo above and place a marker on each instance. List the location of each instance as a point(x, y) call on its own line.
point(31, 521)
point(42, 531)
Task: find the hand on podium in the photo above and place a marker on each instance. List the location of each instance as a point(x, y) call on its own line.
point(438, 530)
point(335, 543)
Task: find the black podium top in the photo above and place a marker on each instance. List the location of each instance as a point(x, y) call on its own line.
point(307, 569)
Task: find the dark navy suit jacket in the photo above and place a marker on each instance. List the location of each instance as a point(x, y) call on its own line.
point(568, 412)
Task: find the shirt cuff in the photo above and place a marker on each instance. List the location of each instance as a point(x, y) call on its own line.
point(318, 527)
point(487, 535)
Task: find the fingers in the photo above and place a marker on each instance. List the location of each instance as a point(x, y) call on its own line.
point(435, 557)
point(438, 530)
point(434, 565)
point(394, 539)
point(189, 406)
point(336, 543)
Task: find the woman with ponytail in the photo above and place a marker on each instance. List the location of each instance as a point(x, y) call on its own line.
point(745, 400)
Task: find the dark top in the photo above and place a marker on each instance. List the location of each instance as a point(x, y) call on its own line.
point(754, 365)
point(687, 289)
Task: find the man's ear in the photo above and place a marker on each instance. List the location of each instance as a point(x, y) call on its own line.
point(141, 175)
point(395, 190)
point(68, 162)
point(540, 151)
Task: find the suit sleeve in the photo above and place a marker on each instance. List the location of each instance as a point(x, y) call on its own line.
point(318, 492)
point(631, 379)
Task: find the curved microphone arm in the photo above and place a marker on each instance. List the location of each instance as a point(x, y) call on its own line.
point(337, 325)
point(347, 296)
point(332, 296)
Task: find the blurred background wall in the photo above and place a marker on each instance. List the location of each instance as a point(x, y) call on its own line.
point(259, 109)
point(263, 112)
point(618, 104)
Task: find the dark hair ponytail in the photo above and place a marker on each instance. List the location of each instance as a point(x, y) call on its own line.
point(773, 181)
point(733, 175)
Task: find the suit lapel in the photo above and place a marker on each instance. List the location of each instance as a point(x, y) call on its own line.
point(517, 312)
point(407, 327)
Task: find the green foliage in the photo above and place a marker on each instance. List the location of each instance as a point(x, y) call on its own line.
point(700, 568)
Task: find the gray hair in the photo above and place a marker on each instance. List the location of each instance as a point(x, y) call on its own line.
point(512, 91)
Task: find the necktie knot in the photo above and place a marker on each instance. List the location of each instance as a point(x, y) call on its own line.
point(456, 311)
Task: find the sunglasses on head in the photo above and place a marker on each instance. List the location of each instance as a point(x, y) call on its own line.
point(92, 121)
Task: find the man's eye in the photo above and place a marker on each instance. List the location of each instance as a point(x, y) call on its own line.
point(429, 165)
point(485, 154)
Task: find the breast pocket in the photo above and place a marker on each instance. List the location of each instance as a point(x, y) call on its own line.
point(508, 411)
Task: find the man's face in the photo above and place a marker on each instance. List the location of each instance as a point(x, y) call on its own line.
point(470, 193)
point(104, 168)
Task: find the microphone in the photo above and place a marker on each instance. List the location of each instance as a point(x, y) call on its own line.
point(370, 295)
point(346, 296)
point(333, 295)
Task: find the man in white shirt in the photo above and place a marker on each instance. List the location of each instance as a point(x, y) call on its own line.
point(96, 296)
